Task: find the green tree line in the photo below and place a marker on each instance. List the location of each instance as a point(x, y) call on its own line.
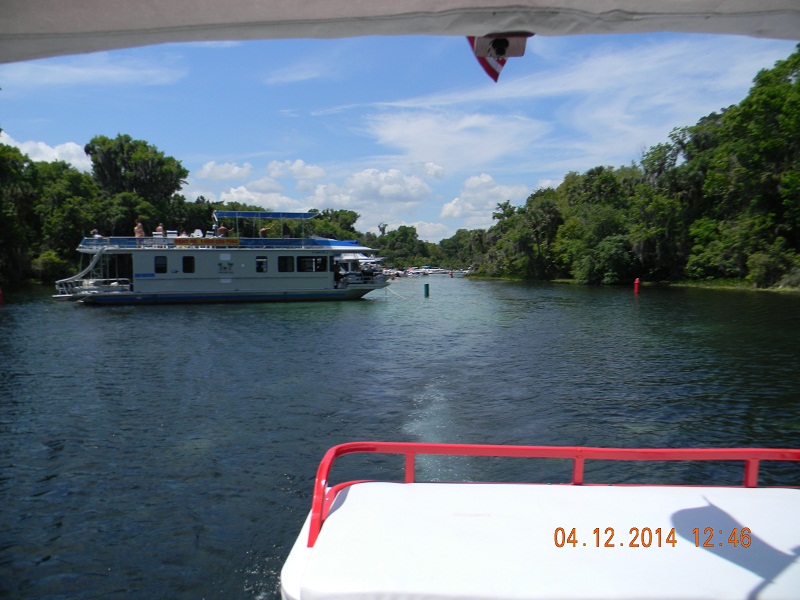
point(719, 200)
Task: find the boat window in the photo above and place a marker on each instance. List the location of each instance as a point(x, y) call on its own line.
point(334, 266)
point(311, 264)
point(161, 264)
point(286, 264)
point(261, 264)
point(188, 264)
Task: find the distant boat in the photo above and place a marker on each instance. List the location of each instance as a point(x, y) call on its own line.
point(211, 268)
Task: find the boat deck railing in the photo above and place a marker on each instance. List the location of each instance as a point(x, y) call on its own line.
point(324, 496)
point(171, 243)
point(73, 287)
point(365, 277)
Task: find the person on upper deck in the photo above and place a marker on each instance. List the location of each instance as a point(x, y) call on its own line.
point(222, 231)
point(138, 230)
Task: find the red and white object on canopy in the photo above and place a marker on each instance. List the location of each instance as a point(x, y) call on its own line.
point(493, 51)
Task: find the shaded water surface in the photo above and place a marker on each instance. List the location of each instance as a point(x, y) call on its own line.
point(169, 452)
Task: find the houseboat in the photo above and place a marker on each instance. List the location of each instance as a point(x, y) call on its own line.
point(218, 267)
point(432, 540)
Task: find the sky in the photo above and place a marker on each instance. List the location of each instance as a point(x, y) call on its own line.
point(403, 130)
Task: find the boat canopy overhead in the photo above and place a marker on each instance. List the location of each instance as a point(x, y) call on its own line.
point(33, 29)
point(253, 214)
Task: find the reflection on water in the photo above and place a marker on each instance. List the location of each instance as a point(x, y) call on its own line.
point(170, 451)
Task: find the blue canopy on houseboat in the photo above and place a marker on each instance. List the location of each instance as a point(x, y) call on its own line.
point(251, 214)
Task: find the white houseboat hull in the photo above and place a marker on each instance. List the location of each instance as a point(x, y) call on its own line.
point(159, 270)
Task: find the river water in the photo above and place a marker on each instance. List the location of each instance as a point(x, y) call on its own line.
point(169, 451)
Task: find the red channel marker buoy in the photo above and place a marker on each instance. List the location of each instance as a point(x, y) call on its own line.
point(636, 286)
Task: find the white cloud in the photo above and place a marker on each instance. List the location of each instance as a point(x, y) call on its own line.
point(326, 65)
point(372, 189)
point(480, 195)
point(192, 191)
point(548, 183)
point(455, 208)
point(456, 141)
point(303, 173)
point(265, 185)
point(101, 68)
point(391, 185)
point(296, 73)
point(297, 168)
point(270, 200)
point(213, 170)
point(431, 170)
point(429, 231)
point(69, 152)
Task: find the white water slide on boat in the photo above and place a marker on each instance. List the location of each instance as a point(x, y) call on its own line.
point(510, 541)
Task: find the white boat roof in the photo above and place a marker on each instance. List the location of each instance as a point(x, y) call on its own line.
point(351, 256)
point(513, 541)
point(37, 28)
point(436, 541)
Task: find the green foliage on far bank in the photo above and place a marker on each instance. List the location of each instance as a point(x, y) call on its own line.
point(719, 201)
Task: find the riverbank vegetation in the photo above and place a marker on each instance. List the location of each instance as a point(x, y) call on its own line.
point(719, 201)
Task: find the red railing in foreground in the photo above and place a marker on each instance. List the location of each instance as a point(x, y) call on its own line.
point(323, 497)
